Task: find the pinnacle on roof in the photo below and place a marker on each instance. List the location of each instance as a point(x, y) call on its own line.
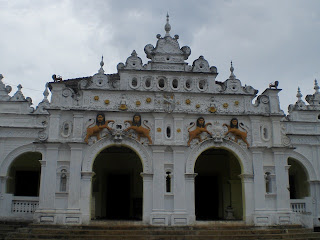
point(316, 86)
point(167, 27)
point(299, 95)
point(101, 66)
point(232, 76)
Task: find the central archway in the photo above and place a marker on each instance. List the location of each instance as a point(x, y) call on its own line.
point(117, 187)
point(218, 188)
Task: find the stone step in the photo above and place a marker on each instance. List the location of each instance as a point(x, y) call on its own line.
point(54, 231)
point(169, 237)
point(143, 232)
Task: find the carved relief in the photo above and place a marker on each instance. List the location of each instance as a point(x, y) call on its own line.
point(233, 128)
point(141, 131)
point(200, 128)
point(101, 124)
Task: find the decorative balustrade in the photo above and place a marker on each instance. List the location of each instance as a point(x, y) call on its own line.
point(25, 205)
point(300, 205)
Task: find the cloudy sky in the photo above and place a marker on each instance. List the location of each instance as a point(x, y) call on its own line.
point(267, 40)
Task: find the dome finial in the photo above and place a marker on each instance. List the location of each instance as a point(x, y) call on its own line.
point(232, 76)
point(101, 66)
point(299, 95)
point(167, 27)
point(316, 86)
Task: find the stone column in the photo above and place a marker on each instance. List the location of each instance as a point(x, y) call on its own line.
point(5, 201)
point(77, 126)
point(179, 179)
point(158, 178)
point(48, 177)
point(256, 137)
point(3, 184)
point(75, 176)
point(258, 178)
point(315, 196)
point(158, 127)
point(178, 128)
point(147, 196)
point(276, 132)
point(54, 128)
point(85, 200)
point(282, 180)
point(247, 196)
point(190, 196)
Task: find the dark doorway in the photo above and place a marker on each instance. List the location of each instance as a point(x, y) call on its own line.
point(27, 183)
point(118, 197)
point(207, 197)
point(217, 185)
point(117, 188)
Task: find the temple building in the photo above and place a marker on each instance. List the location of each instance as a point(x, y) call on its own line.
point(161, 143)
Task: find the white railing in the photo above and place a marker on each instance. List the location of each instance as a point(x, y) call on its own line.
point(300, 205)
point(25, 205)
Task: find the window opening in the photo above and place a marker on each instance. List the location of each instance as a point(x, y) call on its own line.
point(161, 83)
point(168, 182)
point(268, 182)
point(168, 132)
point(134, 82)
point(63, 181)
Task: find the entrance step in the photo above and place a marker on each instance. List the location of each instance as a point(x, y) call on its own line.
point(8, 227)
point(144, 232)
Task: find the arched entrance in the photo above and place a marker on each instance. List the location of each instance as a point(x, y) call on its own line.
point(218, 188)
point(117, 187)
point(298, 180)
point(24, 175)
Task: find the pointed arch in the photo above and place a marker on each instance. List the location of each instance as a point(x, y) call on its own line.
point(142, 151)
point(243, 156)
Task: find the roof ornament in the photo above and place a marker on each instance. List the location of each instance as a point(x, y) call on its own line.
point(101, 66)
point(134, 53)
point(316, 86)
point(232, 76)
point(299, 95)
point(46, 94)
point(167, 27)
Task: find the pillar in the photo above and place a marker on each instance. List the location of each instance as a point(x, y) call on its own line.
point(85, 200)
point(282, 180)
point(190, 196)
point(48, 177)
point(247, 196)
point(147, 179)
point(75, 176)
point(258, 178)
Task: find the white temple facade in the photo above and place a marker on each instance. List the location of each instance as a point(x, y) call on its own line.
point(163, 143)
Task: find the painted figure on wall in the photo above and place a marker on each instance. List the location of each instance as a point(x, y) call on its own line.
point(233, 128)
point(201, 127)
point(100, 124)
point(138, 128)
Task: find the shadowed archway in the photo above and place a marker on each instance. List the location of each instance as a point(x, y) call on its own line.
point(218, 188)
point(117, 187)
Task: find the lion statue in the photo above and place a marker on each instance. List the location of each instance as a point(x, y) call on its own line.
point(101, 124)
point(201, 127)
point(233, 128)
point(141, 131)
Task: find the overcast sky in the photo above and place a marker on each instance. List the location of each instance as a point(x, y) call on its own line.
point(267, 40)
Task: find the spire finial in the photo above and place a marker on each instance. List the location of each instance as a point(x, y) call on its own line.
point(167, 27)
point(316, 86)
point(299, 95)
point(101, 66)
point(232, 76)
